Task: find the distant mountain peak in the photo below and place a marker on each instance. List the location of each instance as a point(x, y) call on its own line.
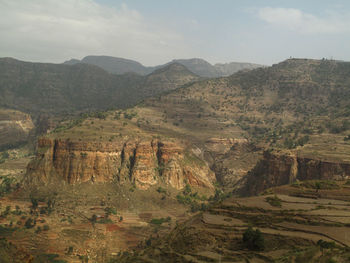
point(198, 66)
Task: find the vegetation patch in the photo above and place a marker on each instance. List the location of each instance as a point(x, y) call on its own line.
point(159, 221)
point(274, 201)
point(253, 239)
point(318, 184)
point(48, 258)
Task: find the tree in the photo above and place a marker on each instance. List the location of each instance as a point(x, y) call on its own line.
point(29, 223)
point(34, 202)
point(325, 245)
point(93, 219)
point(253, 240)
point(317, 186)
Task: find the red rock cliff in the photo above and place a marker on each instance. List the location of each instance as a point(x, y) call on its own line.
point(144, 163)
point(280, 169)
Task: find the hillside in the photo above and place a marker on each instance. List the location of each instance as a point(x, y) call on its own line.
point(268, 105)
point(198, 66)
point(286, 227)
point(116, 65)
point(196, 149)
point(298, 107)
point(66, 89)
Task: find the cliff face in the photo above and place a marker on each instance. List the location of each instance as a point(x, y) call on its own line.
point(231, 159)
point(15, 128)
point(274, 170)
point(144, 163)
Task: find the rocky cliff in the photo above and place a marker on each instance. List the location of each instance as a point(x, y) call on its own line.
point(279, 169)
point(141, 162)
point(15, 127)
point(231, 159)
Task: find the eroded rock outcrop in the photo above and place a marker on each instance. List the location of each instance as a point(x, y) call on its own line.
point(279, 169)
point(142, 162)
point(15, 128)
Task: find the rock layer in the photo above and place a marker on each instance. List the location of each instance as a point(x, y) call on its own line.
point(142, 162)
point(279, 169)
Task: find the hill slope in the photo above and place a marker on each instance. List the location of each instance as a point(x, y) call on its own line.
point(116, 65)
point(57, 89)
point(298, 106)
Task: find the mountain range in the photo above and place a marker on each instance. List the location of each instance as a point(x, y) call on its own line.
point(57, 89)
point(163, 177)
point(198, 66)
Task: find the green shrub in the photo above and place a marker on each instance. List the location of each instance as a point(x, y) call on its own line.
point(159, 221)
point(161, 190)
point(29, 223)
point(253, 240)
point(274, 201)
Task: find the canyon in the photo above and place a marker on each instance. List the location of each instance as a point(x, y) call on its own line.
point(198, 151)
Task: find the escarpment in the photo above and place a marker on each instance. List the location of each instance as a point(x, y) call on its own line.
point(15, 128)
point(279, 169)
point(141, 162)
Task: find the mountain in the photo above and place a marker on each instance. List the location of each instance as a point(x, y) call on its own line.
point(153, 166)
point(199, 67)
point(116, 65)
point(196, 65)
point(205, 69)
point(298, 105)
point(228, 69)
point(60, 89)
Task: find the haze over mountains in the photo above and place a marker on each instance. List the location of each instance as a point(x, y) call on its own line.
point(198, 66)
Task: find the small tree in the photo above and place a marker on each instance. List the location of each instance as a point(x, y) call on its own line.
point(317, 186)
point(325, 245)
point(253, 240)
point(29, 223)
point(93, 219)
point(70, 250)
point(34, 202)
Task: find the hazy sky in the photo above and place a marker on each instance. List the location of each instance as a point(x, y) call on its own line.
point(156, 31)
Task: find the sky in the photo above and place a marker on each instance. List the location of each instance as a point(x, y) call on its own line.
point(156, 31)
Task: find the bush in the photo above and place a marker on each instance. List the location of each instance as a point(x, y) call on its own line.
point(159, 221)
point(161, 190)
point(29, 223)
point(253, 240)
point(274, 201)
point(110, 210)
point(38, 230)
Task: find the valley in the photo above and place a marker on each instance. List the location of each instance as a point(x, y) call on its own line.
point(182, 175)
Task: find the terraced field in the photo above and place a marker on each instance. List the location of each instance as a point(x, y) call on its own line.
point(291, 226)
point(86, 222)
